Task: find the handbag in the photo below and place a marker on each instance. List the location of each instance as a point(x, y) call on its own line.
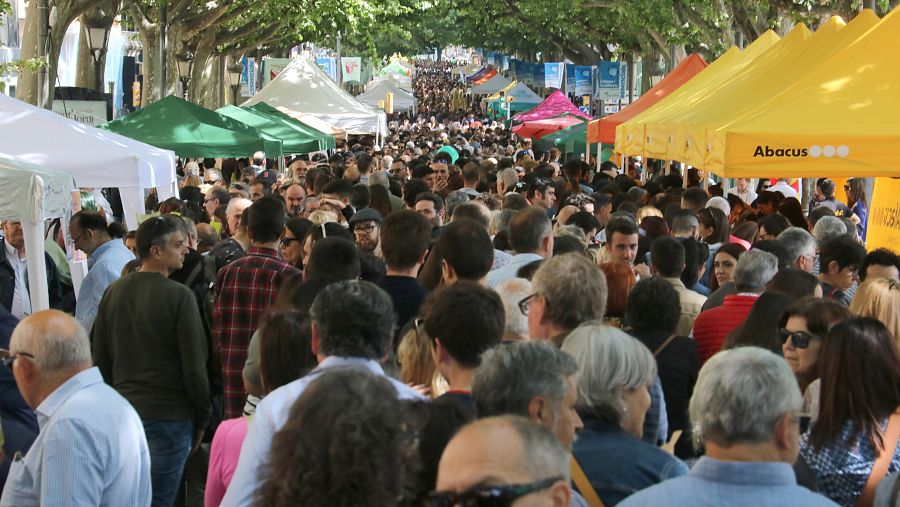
point(663, 345)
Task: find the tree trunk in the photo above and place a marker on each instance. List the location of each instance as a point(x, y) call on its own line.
point(28, 86)
point(149, 33)
point(204, 85)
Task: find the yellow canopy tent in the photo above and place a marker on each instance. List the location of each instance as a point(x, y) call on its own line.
point(838, 119)
point(638, 136)
point(686, 133)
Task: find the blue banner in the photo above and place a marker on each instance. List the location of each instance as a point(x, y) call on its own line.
point(584, 80)
point(504, 65)
point(611, 81)
point(570, 78)
point(538, 70)
point(526, 71)
point(328, 66)
point(553, 75)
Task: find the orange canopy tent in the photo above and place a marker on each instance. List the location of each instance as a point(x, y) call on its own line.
point(604, 129)
point(483, 79)
point(537, 129)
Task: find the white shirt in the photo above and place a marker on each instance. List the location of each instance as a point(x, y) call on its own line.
point(748, 197)
point(21, 301)
point(271, 415)
point(785, 189)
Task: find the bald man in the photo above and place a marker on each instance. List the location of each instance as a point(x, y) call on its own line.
point(508, 453)
point(91, 449)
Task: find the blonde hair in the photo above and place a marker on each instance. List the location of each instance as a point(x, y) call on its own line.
point(191, 180)
point(320, 217)
point(416, 363)
point(879, 298)
point(648, 211)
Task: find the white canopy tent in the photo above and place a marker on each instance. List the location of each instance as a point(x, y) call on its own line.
point(492, 85)
point(33, 196)
point(403, 82)
point(522, 93)
point(304, 88)
point(96, 158)
point(403, 100)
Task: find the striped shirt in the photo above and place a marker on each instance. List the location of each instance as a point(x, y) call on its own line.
point(91, 450)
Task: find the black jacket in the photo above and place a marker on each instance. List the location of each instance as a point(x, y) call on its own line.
point(8, 280)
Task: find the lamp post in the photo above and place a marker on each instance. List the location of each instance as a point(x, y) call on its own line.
point(97, 44)
point(234, 78)
point(185, 63)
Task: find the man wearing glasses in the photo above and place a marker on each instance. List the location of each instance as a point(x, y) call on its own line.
point(14, 293)
point(503, 462)
point(366, 227)
point(91, 449)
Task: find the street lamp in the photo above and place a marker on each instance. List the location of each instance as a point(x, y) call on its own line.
point(97, 45)
point(184, 62)
point(234, 77)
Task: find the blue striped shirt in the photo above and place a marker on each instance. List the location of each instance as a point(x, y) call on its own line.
point(91, 450)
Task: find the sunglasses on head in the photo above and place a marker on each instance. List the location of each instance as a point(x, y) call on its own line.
point(489, 496)
point(799, 339)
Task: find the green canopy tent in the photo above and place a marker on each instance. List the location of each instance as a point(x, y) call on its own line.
point(326, 140)
point(570, 140)
point(293, 138)
point(193, 131)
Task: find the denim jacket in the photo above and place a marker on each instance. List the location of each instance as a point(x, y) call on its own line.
point(618, 464)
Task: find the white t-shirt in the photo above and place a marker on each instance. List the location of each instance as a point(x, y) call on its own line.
point(748, 197)
point(785, 189)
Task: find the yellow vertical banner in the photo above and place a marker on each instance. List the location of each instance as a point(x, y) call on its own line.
point(884, 215)
point(389, 103)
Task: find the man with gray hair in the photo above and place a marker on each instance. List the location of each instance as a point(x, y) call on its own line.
point(754, 270)
point(801, 247)
point(745, 410)
point(507, 456)
point(531, 237)
point(511, 292)
point(91, 449)
point(554, 309)
point(531, 379)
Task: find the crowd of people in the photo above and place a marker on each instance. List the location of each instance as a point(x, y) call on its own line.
point(457, 318)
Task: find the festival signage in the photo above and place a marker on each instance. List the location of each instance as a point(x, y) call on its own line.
point(527, 73)
point(570, 78)
point(328, 66)
point(883, 230)
point(248, 77)
point(553, 75)
point(351, 68)
point(584, 80)
point(612, 81)
point(538, 70)
point(271, 67)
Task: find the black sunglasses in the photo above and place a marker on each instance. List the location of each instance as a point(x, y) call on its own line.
point(489, 496)
point(799, 339)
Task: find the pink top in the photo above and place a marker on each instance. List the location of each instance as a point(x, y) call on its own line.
point(223, 458)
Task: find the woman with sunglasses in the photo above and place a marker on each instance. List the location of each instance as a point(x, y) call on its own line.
point(859, 419)
point(802, 328)
point(295, 231)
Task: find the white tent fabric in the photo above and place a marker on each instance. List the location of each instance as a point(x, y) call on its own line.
point(34, 195)
point(492, 85)
point(304, 88)
point(96, 158)
point(403, 100)
point(403, 82)
point(522, 93)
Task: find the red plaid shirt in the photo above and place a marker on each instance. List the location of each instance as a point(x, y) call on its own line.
point(243, 293)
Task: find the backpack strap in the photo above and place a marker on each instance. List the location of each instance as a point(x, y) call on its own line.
point(584, 485)
point(663, 345)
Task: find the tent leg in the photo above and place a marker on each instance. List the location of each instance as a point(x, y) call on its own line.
point(33, 231)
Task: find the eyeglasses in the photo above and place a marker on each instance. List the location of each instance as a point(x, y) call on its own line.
point(287, 241)
point(9, 358)
point(525, 303)
point(364, 228)
point(489, 496)
point(799, 339)
point(211, 200)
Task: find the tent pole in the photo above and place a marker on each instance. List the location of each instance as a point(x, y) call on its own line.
point(33, 230)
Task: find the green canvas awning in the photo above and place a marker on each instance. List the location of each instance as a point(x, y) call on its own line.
point(326, 140)
point(292, 139)
point(570, 140)
point(193, 131)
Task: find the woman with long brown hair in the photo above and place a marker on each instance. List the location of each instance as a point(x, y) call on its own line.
point(860, 375)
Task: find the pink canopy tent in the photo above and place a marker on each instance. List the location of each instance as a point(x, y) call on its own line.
point(554, 105)
point(537, 129)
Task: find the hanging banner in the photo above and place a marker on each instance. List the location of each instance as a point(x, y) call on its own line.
point(328, 66)
point(538, 70)
point(271, 67)
point(352, 67)
point(553, 75)
point(248, 77)
point(527, 73)
point(584, 80)
point(570, 78)
point(883, 229)
point(611, 81)
point(504, 65)
point(514, 68)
